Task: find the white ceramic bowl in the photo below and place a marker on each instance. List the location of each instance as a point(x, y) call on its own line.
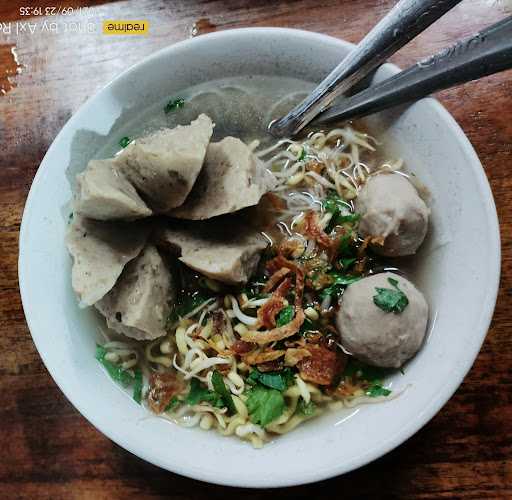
point(460, 271)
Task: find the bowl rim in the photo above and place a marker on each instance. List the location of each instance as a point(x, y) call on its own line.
point(424, 417)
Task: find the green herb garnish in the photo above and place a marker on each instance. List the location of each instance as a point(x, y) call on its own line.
point(347, 262)
point(340, 282)
point(346, 245)
point(338, 219)
point(285, 316)
point(173, 105)
point(334, 203)
point(362, 371)
point(115, 371)
point(338, 208)
point(345, 280)
point(123, 142)
point(373, 375)
point(275, 380)
point(198, 393)
point(391, 299)
point(332, 224)
point(172, 403)
point(264, 404)
point(302, 154)
point(137, 386)
point(306, 409)
point(376, 390)
point(222, 390)
point(188, 304)
point(342, 219)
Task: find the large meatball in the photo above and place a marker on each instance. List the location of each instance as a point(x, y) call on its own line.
point(374, 335)
point(393, 214)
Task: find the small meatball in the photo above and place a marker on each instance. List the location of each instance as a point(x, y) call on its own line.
point(378, 337)
point(392, 214)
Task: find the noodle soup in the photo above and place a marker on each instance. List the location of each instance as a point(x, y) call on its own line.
point(255, 350)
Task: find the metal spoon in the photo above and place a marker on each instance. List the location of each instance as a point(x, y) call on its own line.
point(404, 22)
point(485, 53)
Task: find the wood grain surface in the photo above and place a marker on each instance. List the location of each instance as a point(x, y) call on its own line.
point(47, 449)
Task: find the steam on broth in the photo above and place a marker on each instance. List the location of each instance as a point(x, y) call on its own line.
point(259, 299)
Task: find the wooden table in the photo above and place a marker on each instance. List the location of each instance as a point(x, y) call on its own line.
point(48, 450)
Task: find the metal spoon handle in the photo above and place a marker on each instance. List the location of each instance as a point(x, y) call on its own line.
point(406, 20)
point(485, 53)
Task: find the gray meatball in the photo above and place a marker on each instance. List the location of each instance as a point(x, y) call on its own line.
point(378, 337)
point(393, 214)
